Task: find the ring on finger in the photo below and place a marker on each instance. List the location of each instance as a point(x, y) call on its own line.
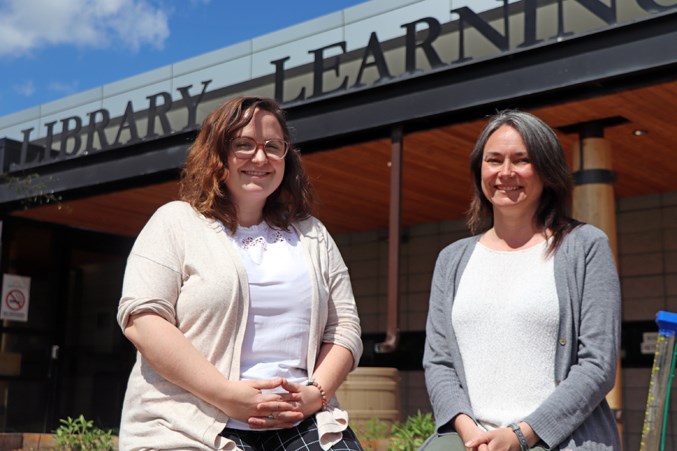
point(271, 417)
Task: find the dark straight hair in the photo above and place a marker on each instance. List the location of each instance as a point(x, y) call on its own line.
point(547, 156)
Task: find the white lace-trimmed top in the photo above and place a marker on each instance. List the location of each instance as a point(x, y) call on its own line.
point(280, 291)
point(505, 317)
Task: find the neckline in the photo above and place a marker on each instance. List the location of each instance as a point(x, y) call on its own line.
point(536, 246)
point(263, 225)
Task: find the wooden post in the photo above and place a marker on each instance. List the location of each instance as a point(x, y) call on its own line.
point(594, 203)
point(394, 232)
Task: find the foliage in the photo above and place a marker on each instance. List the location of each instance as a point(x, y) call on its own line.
point(410, 435)
point(80, 434)
point(374, 429)
point(33, 192)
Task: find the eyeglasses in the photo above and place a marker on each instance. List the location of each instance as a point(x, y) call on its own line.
point(245, 147)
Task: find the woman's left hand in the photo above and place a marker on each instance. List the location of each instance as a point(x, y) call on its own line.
point(311, 402)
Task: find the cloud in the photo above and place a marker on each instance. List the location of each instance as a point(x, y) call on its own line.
point(63, 88)
point(26, 89)
point(29, 25)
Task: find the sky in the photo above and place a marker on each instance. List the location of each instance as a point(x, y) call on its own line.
point(50, 49)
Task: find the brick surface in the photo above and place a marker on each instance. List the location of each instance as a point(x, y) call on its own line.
point(643, 309)
point(669, 217)
point(639, 242)
point(641, 264)
point(642, 287)
point(651, 201)
point(639, 221)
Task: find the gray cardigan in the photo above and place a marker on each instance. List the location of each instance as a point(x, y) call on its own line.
point(576, 415)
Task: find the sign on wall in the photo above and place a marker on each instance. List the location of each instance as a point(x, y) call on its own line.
point(15, 297)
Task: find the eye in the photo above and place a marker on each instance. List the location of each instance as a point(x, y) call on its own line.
point(275, 145)
point(243, 144)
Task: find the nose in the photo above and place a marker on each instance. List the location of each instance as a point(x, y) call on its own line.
point(260, 155)
point(507, 169)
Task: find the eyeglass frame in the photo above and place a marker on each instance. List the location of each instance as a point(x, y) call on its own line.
point(258, 144)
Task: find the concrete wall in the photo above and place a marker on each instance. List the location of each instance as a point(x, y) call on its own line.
point(366, 255)
point(647, 246)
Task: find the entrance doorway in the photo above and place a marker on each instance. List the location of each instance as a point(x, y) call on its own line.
point(73, 358)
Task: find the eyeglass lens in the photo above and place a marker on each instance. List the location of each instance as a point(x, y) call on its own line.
point(245, 147)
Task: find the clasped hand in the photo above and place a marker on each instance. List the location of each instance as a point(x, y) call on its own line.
point(501, 439)
point(248, 402)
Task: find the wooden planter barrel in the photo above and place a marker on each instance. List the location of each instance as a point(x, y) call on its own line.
point(371, 393)
point(26, 441)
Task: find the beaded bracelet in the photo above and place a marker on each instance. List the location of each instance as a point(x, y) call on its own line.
point(322, 393)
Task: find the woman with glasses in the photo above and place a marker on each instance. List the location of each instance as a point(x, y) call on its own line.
point(524, 320)
point(238, 302)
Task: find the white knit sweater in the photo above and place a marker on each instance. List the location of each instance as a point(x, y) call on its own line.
point(506, 316)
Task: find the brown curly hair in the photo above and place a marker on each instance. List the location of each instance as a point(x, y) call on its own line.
point(206, 170)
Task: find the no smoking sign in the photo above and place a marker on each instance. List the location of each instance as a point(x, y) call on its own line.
point(15, 296)
point(15, 300)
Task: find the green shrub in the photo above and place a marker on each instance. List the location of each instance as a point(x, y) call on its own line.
point(410, 435)
point(373, 429)
point(80, 434)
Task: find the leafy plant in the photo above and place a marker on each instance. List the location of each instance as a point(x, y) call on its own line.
point(373, 429)
point(79, 434)
point(33, 191)
point(411, 434)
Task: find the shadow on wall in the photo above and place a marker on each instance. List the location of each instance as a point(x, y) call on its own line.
point(407, 357)
point(409, 354)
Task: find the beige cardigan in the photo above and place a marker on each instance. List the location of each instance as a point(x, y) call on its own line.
point(184, 268)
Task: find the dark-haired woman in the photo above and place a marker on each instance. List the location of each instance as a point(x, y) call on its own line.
point(238, 302)
point(523, 327)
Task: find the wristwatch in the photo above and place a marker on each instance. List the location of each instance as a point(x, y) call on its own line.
point(524, 446)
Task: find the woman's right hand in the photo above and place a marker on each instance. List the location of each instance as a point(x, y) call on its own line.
point(469, 432)
point(245, 399)
point(177, 360)
point(309, 402)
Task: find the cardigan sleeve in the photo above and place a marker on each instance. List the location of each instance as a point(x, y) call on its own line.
point(343, 323)
point(594, 294)
point(152, 279)
point(441, 364)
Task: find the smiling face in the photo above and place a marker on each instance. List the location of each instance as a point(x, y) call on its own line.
point(509, 179)
point(252, 180)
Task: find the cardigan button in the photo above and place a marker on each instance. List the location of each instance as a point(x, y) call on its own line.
point(562, 341)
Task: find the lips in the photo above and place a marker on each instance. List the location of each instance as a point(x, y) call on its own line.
point(255, 173)
point(508, 188)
